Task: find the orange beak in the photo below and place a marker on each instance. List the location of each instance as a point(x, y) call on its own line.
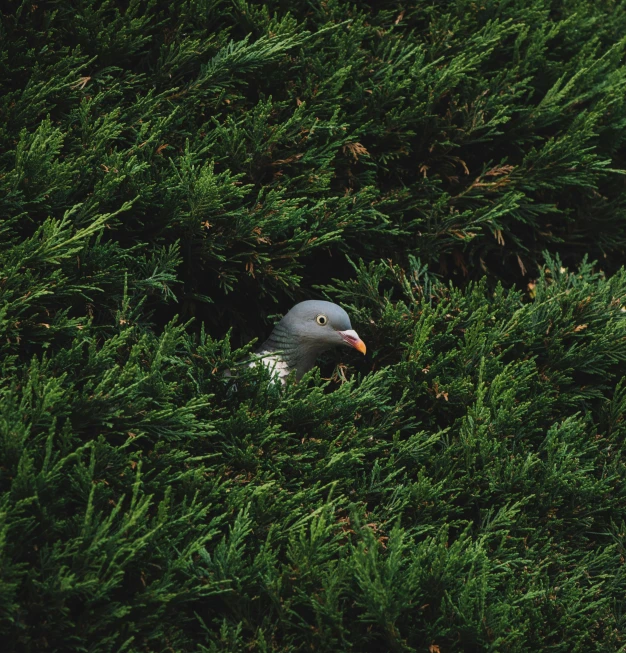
point(352, 339)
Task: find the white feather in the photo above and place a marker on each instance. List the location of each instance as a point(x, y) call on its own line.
point(276, 365)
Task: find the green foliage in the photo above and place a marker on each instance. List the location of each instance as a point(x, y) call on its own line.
point(171, 177)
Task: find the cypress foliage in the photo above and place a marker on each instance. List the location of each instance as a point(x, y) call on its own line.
point(172, 177)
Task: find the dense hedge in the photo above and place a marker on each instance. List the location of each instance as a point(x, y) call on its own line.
point(172, 177)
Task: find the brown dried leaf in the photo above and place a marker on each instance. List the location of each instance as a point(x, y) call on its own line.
point(497, 171)
point(355, 149)
point(81, 83)
point(290, 159)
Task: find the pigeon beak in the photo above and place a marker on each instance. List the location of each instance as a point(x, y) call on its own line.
point(352, 339)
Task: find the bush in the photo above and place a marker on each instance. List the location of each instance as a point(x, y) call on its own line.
point(175, 176)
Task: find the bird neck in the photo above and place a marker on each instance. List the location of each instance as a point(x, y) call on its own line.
point(299, 356)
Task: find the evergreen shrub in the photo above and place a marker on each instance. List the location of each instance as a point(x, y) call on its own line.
point(175, 175)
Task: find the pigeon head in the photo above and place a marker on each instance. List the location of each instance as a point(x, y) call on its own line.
point(309, 329)
point(321, 325)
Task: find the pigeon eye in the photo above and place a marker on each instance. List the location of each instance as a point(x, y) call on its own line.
point(322, 320)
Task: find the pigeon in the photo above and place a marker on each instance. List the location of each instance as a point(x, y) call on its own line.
point(309, 329)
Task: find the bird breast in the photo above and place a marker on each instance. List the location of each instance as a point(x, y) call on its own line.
point(279, 368)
